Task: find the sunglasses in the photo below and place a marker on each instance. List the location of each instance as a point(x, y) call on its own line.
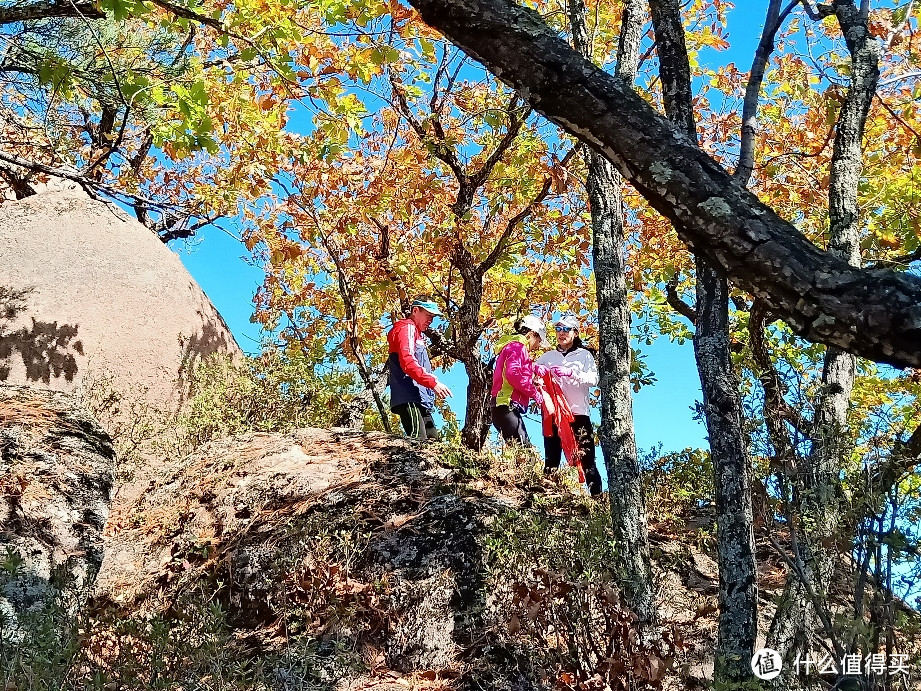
point(563, 329)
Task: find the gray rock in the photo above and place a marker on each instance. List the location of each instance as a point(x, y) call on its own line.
point(56, 468)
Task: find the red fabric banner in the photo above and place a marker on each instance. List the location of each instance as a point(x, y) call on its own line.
point(556, 410)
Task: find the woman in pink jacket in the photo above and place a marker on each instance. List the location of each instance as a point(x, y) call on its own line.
point(513, 379)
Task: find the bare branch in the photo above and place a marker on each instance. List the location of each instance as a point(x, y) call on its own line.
point(88, 184)
point(818, 604)
point(514, 222)
point(439, 146)
point(517, 118)
point(901, 260)
point(899, 78)
point(898, 117)
point(776, 407)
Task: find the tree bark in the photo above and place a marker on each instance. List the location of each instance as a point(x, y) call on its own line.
point(46, 10)
point(738, 593)
point(618, 441)
point(738, 587)
point(818, 483)
point(875, 313)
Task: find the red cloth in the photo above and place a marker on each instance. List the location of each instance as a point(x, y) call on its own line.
point(556, 410)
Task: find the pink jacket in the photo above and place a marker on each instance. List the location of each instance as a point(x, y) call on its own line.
point(513, 378)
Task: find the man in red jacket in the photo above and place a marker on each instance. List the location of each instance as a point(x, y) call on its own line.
point(413, 387)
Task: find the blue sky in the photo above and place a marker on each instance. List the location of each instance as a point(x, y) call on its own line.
point(662, 412)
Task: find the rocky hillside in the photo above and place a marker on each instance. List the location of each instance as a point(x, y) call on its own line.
point(385, 564)
point(337, 560)
point(55, 480)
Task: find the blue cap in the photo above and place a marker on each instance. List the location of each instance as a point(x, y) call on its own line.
point(429, 306)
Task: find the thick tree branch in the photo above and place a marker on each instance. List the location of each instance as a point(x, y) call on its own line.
point(752, 90)
point(628, 43)
point(676, 303)
point(47, 10)
point(817, 13)
point(872, 312)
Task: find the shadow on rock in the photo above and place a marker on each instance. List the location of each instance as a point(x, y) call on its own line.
point(47, 349)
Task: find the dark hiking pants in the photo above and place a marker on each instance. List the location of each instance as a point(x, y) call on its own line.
point(585, 438)
point(417, 421)
point(509, 421)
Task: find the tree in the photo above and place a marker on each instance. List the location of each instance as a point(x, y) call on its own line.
point(738, 600)
point(871, 312)
point(618, 440)
point(816, 454)
point(175, 110)
point(452, 190)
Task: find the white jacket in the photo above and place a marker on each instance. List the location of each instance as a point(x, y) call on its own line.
point(584, 376)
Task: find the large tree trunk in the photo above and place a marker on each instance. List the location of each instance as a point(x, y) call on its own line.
point(871, 312)
point(467, 331)
point(476, 413)
point(618, 441)
point(738, 594)
point(738, 590)
point(817, 485)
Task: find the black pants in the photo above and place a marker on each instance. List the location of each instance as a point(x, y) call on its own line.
point(417, 421)
point(510, 423)
point(585, 438)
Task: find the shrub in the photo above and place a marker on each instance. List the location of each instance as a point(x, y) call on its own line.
point(675, 484)
point(551, 578)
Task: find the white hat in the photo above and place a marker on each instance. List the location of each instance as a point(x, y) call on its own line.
point(537, 326)
point(569, 320)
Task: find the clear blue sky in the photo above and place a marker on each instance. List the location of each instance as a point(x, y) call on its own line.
point(662, 412)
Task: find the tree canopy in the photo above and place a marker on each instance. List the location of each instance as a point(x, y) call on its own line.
point(364, 157)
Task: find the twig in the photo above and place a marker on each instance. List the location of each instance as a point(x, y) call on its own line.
point(898, 117)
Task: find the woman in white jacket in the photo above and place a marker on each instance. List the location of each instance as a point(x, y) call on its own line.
point(573, 366)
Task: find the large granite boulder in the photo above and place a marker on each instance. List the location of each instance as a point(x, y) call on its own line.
point(55, 480)
point(87, 293)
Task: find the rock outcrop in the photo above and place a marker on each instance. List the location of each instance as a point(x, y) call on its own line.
point(369, 561)
point(88, 293)
point(55, 481)
point(253, 512)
